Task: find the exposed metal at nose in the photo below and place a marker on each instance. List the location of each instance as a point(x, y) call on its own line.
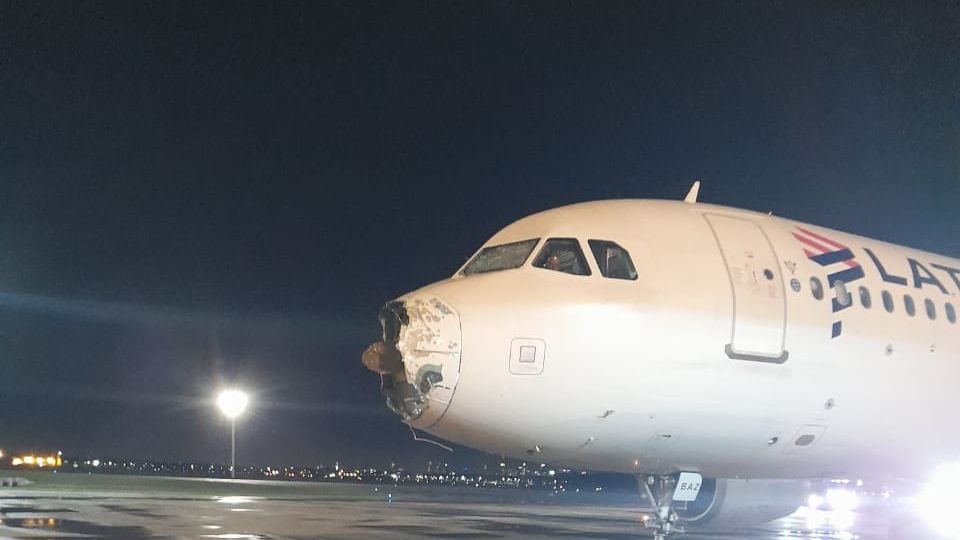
point(392, 316)
point(418, 357)
point(382, 356)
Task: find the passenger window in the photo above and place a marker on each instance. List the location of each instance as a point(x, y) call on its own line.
point(562, 255)
point(612, 260)
point(816, 288)
point(843, 295)
point(865, 299)
point(909, 305)
point(951, 313)
point(887, 301)
point(931, 309)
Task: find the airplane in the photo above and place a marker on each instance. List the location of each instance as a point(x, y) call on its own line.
point(723, 356)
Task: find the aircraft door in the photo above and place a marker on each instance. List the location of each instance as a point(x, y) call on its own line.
point(759, 303)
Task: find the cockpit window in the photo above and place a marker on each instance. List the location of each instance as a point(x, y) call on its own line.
point(502, 257)
point(613, 261)
point(562, 255)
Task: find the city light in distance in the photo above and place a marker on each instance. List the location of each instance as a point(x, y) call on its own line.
point(30, 460)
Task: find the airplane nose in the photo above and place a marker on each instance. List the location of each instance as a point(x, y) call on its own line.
point(418, 357)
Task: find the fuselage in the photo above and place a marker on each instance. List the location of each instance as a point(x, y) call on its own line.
point(744, 346)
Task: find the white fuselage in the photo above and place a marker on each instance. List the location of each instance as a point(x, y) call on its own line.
point(717, 358)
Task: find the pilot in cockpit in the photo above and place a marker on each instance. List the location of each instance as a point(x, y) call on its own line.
point(553, 263)
point(562, 255)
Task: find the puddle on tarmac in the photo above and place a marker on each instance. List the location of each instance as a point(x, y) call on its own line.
point(523, 529)
point(32, 510)
point(137, 512)
point(90, 530)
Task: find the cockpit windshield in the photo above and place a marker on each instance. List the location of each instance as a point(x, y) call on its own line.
point(562, 255)
point(502, 257)
point(613, 261)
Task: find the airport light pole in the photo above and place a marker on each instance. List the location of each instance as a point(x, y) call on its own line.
point(232, 403)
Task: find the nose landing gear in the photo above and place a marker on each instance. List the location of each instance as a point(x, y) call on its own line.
point(664, 491)
point(659, 491)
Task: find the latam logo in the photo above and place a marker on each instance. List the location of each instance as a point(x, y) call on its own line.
point(836, 258)
point(843, 267)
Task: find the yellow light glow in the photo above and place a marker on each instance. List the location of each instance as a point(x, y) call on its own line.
point(51, 461)
point(28, 460)
point(16, 462)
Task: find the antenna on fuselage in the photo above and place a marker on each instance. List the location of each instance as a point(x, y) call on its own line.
point(693, 193)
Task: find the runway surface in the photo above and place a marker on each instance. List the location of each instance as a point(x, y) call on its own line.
point(134, 508)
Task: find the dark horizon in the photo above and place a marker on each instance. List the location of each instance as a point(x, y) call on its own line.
point(196, 194)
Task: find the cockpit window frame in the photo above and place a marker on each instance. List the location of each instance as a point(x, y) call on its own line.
point(534, 242)
point(595, 243)
point(537, 262)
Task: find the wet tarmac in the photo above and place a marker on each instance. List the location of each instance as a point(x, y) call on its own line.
point(133, 508)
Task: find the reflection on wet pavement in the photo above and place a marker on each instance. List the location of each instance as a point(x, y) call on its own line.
point(321, 511)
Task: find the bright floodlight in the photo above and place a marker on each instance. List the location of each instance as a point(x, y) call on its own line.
point(842, 500)
point(938, 502)
point(232, 402)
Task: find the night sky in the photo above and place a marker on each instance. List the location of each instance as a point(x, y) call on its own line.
point(193, 193)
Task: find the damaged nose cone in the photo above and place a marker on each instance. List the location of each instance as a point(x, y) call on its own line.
point(419, 357)
point(382, 359)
